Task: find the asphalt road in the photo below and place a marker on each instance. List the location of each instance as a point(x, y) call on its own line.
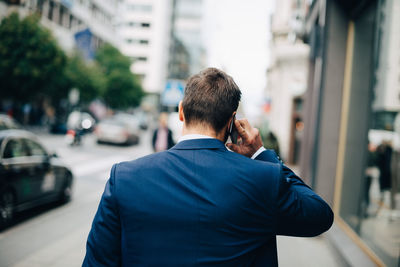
point(55, 235)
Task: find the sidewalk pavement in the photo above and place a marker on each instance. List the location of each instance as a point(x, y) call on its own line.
point(306, 252)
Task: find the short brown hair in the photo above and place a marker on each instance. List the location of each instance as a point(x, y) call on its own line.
point(210, 97)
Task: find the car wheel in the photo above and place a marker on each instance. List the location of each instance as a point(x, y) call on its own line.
point(7, 201)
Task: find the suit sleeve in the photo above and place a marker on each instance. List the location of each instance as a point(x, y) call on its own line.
point(301, 212)
point(103, 247)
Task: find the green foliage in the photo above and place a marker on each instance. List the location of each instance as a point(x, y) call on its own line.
point(111, 59)
point(122, 89)
point(30, 60)
point(86, 77)
point(32, 65)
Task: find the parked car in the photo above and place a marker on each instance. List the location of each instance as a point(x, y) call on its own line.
point(29, 175)
point(143, 119)
point(58, 127)
point(6, 122)
point(118, 129)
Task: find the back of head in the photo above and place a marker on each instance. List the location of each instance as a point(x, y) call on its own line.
point(210, 98)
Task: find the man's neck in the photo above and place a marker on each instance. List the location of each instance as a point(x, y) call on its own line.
point(200, 129)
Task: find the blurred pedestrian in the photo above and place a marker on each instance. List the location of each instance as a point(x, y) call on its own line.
point(383, 162)
point(271, 142)
point(369, 174)
point(162, 136)
point(198, 204)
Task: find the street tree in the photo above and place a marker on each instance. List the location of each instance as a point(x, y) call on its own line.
point(111, 59)
point(122, 90)
point(31, 62)
point(86, 77)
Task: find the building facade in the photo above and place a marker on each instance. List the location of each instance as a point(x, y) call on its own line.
point(144, 27)
point(187, 29)
point(287, 76)
point(68, 18)
point(350, 147)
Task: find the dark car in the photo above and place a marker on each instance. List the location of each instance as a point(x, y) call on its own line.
point(29, 175)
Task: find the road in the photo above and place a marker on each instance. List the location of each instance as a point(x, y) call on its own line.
point(55, 235)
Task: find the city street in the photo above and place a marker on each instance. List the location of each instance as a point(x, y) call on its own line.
point(55, 235)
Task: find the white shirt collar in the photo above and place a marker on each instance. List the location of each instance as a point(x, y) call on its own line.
point(201, 136)
point(194, 136)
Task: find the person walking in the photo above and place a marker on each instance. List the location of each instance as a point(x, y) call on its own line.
point(162, 136)
point(199, 204)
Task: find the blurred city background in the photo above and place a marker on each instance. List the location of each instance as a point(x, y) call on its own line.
point(83, 84)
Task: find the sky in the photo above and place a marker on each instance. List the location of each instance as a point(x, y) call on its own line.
point(236, 35)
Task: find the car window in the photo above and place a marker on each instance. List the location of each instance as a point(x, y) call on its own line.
point(15, 148)
point(34, 148)
point(3, 126)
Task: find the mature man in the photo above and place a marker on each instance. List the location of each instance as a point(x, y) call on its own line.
point(198, 204)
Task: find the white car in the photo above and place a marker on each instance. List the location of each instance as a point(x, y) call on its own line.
point(118, 129)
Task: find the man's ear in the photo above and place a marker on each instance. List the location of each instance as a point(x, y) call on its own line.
point(181, 115)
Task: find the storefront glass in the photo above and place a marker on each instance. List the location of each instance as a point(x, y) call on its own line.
point(370, 197)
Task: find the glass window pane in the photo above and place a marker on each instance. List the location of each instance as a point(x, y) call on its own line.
point(34, 148)
point(14, 149)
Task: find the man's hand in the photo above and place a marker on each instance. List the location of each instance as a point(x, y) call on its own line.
point(250, 139)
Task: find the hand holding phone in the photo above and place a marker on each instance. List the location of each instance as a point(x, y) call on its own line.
point(249, 136)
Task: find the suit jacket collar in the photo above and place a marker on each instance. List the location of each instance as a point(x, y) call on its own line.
point(205, 143)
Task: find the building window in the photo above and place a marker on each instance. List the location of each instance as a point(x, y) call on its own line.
point(138, 59)
point(140, 8)
point(145, 25)
point(137, 41)
point(142, 59)
point(51, 10)
point(61, 16)
point(70, 21)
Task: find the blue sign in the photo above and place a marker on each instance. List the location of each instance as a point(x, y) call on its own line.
point(84, 43)
point(67, 3)
point(173, 92)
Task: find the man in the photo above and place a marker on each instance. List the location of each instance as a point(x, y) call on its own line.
point(162, 136)
point(199, 204)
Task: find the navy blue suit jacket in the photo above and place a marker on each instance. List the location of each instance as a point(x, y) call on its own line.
point(199, 204)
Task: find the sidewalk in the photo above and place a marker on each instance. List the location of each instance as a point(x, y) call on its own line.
point(306, 252)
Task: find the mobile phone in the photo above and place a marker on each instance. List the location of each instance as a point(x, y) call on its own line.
point(233, 133)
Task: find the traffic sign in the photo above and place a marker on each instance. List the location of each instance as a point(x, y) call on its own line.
point(173, 92)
